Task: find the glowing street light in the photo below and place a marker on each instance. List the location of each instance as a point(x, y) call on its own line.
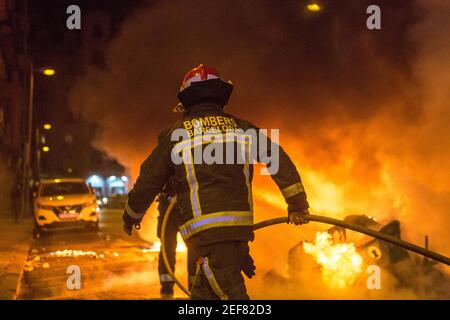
point(48, 72)
point(47, 126)
point(27, 145)
point(313, 7)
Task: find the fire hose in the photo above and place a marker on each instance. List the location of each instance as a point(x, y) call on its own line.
point(321, 219)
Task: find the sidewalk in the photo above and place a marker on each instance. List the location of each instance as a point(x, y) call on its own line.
point(14, 245)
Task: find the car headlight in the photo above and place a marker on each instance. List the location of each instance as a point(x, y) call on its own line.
point(44, 207)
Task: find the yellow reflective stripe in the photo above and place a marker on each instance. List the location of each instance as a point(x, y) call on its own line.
point(214, 220)
point(185, 146)
point(192, 182)
point(212, 280)
point(292, 190)
point(131, 213)
point(247, 174)
point(198, 143)
point(229, 136)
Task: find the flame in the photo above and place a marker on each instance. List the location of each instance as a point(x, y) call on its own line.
point(328, 197)
point(75, 253)
point(340, 263)
point(181, 247)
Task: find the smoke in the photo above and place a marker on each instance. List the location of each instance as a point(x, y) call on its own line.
point(362, 113)
point(290, 70)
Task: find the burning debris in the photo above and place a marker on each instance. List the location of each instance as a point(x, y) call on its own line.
point(337, 260)
point(75, 253)
point(43, 259)
point(340, 263)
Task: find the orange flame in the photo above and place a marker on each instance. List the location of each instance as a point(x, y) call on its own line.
point(340, 263)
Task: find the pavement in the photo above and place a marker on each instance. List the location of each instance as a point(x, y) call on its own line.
point(15, 240)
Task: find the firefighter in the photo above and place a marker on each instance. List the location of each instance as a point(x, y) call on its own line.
point(165, 278)
point(215, 198)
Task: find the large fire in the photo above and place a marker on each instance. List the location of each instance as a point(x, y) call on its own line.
point(340, 263)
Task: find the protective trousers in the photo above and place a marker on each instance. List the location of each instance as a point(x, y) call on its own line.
point(219, 272)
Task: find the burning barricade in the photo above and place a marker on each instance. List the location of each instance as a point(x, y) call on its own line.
point(343, 263)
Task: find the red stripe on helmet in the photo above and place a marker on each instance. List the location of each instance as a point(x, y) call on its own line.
point(202, 71)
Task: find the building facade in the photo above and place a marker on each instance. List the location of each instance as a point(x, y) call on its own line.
point(14, 61)
point(68, 144)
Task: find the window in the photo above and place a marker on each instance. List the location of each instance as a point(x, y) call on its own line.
point(63, 188)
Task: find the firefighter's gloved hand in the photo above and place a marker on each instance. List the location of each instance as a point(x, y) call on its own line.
point(298, 217)
point(129, 223)
point(248, 266)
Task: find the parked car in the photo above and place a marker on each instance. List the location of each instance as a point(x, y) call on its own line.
point(65, 202)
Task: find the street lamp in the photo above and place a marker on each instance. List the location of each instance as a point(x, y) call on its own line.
point(45, 149)
point(48, 72)
point(27, 152)
point(313, 7)
point(47, 126)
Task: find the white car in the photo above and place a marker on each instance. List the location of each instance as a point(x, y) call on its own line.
point(65, 202)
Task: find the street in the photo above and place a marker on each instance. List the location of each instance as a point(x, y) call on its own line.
point(112, 264)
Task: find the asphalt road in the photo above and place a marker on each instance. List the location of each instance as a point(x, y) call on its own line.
point(112, 265)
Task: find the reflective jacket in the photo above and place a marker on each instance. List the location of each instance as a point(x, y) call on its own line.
point(215, 198)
